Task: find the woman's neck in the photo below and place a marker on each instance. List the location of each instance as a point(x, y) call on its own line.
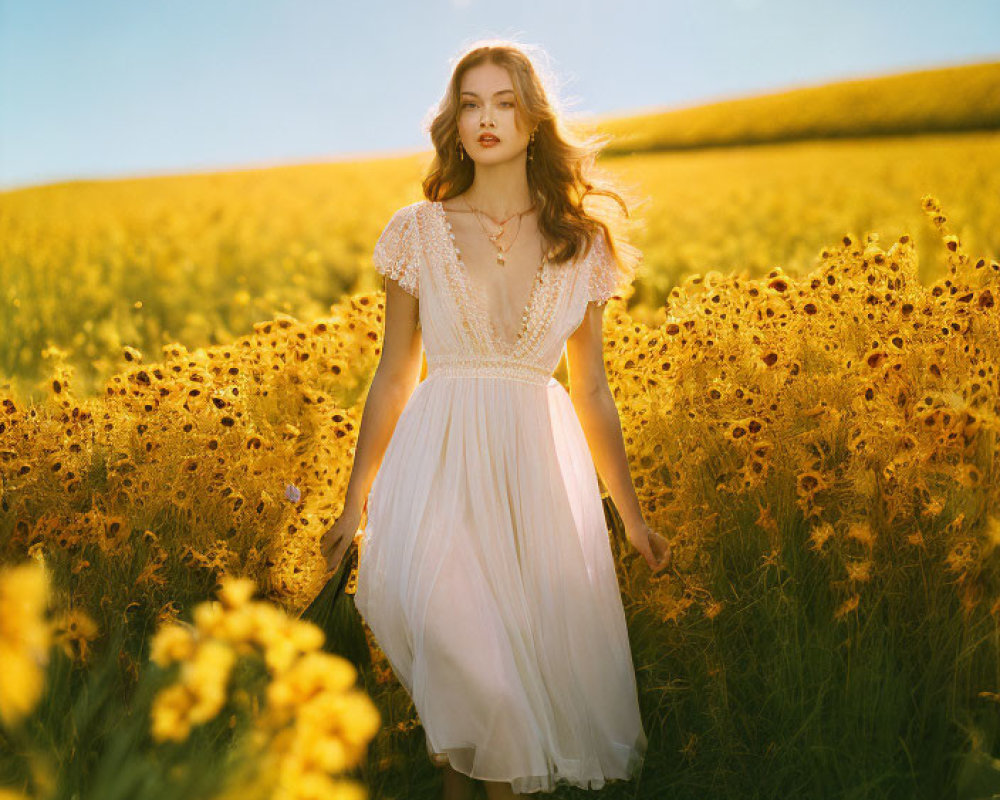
point(499, 191)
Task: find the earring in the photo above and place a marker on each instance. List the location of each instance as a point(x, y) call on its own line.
point(531, 141)
point(461, 150)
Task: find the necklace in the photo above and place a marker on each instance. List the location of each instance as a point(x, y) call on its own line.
point(479, 303)
point(495, 237)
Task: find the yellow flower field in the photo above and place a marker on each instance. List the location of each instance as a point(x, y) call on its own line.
point(90, 268)
point(807, 378)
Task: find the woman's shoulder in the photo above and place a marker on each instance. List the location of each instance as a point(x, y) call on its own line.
point(410, 210)
point(397, 252)
point(400, 222)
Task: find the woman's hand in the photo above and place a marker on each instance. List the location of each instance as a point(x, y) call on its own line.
point(653, 547)
point(334, 542)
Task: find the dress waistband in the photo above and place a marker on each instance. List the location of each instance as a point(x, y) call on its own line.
point(488, 367)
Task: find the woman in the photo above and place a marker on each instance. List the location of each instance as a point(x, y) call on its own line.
point(485, 570)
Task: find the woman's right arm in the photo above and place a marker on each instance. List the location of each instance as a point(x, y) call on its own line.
point(396, 376)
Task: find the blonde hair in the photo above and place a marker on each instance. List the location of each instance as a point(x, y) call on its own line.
point(562, 171)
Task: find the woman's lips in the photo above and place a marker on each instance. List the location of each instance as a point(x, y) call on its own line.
point(489, 141)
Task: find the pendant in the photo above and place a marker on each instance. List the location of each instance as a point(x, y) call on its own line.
point(500, 258)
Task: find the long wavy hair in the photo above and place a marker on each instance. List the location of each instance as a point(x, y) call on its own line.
point(563, 176)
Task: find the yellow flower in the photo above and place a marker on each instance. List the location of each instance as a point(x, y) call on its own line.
point(25, 637)
point(24, 594)
point(209, 618)
point(236, 592)
point(861, 530)
point(305, 636)
point(170, 713)
point(859, 571)
point(307, 677)
point(266, 621)
point(74, 630)
point(351, 715)
point(21, 684)
point(280, 655)
point(206, 675)
point(283, 639)
point(172, 643)
point(820, 534)
point(238, 627)
point(201, 691)
point(329, 754)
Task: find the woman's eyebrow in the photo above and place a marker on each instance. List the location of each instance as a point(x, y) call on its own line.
point(502, 91)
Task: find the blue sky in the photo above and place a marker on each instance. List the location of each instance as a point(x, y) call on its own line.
point(106, 88)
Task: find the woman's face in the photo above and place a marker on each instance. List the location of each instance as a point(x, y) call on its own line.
point(487, 104)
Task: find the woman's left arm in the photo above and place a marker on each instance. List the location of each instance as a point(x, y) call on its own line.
point(595, 407)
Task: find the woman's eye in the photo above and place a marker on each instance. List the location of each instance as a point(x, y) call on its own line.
point(505, 103)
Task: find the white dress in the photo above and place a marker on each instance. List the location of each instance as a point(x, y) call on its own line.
point(485, 570)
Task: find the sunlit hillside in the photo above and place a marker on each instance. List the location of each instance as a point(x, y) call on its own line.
point(958, 98)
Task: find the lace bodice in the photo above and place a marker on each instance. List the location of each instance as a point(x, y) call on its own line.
point(417, 249)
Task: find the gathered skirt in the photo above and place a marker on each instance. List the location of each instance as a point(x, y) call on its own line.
point(486, 576)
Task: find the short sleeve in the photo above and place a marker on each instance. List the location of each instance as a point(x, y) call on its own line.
point(396, 251)
point(603, 271)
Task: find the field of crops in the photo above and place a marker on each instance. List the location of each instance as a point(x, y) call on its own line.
point(88, 269)
point(807, 378)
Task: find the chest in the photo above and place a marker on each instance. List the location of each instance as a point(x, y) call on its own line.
point(509, 307)
point(505, 287)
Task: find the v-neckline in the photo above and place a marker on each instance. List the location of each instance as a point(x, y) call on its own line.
point(473, 291)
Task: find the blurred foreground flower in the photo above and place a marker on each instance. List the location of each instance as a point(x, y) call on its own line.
point(25, 637)
point(315, 721)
